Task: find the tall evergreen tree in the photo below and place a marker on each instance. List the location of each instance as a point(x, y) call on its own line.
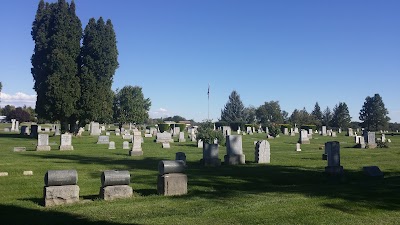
point(374, 114)
point(250, 115)
point(317, 114)
point(131, 106)
point(98, 63)
point(57, 32)
point(270, 112)
point(326, 117)
point(341, 116)
point(233, 110)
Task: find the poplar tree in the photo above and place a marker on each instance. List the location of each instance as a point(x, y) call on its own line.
point(233, 110)
point(98, 63)
point(57, 32)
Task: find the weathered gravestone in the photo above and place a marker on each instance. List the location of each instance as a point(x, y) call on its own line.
point(95, 129)
point(210, 155)
point(383, 139)
point(285, 131)
point(226, 130)
point(115, 185)
point(262, 152)
point(350, 132)
point(60, 187)
point(137, 145)
point(333, 156)
point(166, 145)
point(304, 137)
point(199, 144)
point(182, 137)
point(24, 130)
point(324, 131)
point(127, 137)
point(373, 171)
point(43, 143)
point(34, 131)
point(234, 150)
point(369, 138)
point(125, 145)
point(180, 156)
point(57, 131)
point(103, 140)
point(333, 134)
point(111, 145)
point(171, 179)
point(298, 149)
point(66, 142)
point(19, 149)
point(164, 137)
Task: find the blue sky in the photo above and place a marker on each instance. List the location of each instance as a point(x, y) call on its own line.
point(291, 51)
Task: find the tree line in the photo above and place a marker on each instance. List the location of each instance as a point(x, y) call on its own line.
point(373, 114)
point(73, 80)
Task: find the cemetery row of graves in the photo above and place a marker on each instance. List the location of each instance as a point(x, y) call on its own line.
point(133, 164)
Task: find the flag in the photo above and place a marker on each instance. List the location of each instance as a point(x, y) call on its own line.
point(208, 92)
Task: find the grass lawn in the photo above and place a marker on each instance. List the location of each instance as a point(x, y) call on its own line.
point(292, 189)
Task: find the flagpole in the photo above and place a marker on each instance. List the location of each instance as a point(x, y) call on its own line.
point(208, 93)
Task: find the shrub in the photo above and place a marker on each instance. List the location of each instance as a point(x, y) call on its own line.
point(219, 124)
point(310, 126)
point(164, 127)
point(381, 144)
point(181, 126)
point(283, 126)
point(235, 125)
point(207, 134)
point(274, 130)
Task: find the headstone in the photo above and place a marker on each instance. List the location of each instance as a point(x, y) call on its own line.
point(27, 173)
point(126, 137)
point(238, 130)
point(47, 129)
point(369, 138)
point(103, 128)
point(199, 144)
point(34, 131)
point(285, 131)
point(57, 131)
point(66, 142)
point(248, 130)
point(262, 152)
point(13, 125)
point(164, 137)
point(350, 132)
point(180, 156)
point(210, 155)
point(125, 145)
point(148, 135)
point(25, 130)
point(80, 131)
point(176, 131)
point(234, 150)
point(333, 134)
point(226, 130)
point(182, 137)
point(115, 185)
point(298, 149)
point(340, 130)
point(304, 137)
point(95, 129)
point(111, 145)
point(324, 131)
point(383, 138)
point(296, 130)
point(166, 145)
point(361, 141)
point(60, 187)
point(373, 171)
point(137, 144)
point(3, 174)
point(389, 141)
point(19, 149)
point(333, 156)
point(43, 143)
point(172, 184)
point(108, 133)
point(103, 140)
point(7, 129)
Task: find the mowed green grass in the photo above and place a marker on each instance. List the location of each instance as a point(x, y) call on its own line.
point(292, 189)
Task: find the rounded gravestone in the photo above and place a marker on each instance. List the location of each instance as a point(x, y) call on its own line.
point(171, 166)
point(60, 177)
point(115, 177)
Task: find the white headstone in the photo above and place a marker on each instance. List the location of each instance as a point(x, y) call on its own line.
point(95, 129)
point(43, 143)
point(103, 140)
point(324, 131)
point(111, 145)
point(125, 145)
point(66, 142)
point(298, 149)
point(262, 152)
point(182, 137)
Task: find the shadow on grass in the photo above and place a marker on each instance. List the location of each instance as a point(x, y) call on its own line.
point(26, 216)
point(233, 181)
point(15, 135)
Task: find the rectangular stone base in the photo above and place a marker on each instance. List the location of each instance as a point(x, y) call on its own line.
point(234, 159)
point(148, 135)
point(116, 192)
point(172, 184)
point(211, 162)
point(135, 153)
point(334, 170)
point(305, 142)
point(60, 195)
point(66, 147)
point(372, 145)
point(43, 148)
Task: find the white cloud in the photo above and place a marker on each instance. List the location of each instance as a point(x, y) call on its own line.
point(17, 99)
point(161, 112)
